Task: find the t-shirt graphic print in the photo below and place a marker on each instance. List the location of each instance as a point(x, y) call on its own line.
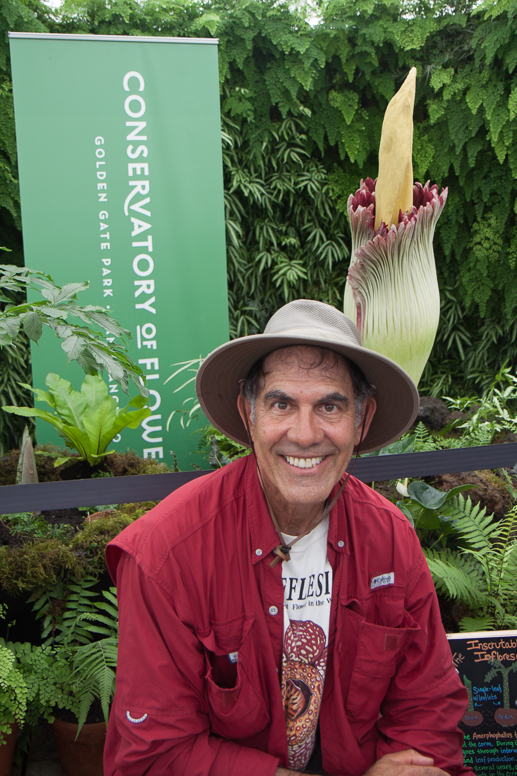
point(307, 579)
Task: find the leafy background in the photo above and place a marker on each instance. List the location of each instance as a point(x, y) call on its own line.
point(303, 93)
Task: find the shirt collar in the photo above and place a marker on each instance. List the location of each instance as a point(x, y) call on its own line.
point(264, 537)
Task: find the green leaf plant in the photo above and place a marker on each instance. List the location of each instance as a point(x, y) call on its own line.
point(431, 512)
point(74, 668)
point(13, 689)
point(482, 572)
point(87, 420)
point(81, 343)
point(490, 414)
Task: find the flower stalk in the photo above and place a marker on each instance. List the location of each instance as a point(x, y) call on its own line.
point(392, 290)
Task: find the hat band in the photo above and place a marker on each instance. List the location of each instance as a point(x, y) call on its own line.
point(316, 333)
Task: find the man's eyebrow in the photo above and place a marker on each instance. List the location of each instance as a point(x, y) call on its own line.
point(335, 397)
point(329, 398)
point(278, 395)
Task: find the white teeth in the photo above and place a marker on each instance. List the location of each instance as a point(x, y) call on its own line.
point(304, 463)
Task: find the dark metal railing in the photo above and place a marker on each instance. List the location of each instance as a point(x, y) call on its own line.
point(153, 487)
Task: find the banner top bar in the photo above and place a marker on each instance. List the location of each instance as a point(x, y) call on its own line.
point(123, 38)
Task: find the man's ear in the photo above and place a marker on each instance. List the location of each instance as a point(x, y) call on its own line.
point(363, 425)
point(240, 401)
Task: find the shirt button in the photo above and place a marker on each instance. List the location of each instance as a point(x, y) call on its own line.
point(273, 610)
point(258, 552)
point(340, 543)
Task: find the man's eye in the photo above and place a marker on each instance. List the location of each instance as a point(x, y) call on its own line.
point(281, 405)
point(329, 407)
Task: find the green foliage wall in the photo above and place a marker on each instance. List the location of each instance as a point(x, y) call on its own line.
point(302, 109)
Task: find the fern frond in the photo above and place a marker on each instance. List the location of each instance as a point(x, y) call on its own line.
point(475, 526)
point(472, 624)
point(85, 703)
point(456, 576)
point(95, 663)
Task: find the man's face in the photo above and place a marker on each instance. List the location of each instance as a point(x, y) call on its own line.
point(304, 429)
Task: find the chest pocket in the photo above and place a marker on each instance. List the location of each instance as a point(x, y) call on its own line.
point(370, 653)
point(232, 683)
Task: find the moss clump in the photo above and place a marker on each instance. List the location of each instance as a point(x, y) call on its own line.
point(38, 563)
point(137, 510)
point(128, 464)
point(90, 542)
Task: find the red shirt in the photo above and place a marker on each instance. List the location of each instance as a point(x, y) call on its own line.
point(195, 585)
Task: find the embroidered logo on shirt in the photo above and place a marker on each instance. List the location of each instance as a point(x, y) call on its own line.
point(132, 719)
point(382, 580)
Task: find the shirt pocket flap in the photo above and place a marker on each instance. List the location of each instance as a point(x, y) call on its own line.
point(224, 638)
point(380, 648)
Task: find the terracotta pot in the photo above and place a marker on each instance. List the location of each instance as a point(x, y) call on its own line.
point(81, 757)
point(7, 751)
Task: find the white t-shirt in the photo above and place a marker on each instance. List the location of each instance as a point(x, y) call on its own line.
point(307, 579)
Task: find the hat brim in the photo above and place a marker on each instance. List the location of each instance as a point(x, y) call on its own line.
point(217, 384)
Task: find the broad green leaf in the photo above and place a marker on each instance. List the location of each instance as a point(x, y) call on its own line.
point(70, 404)
point(71, 289)
point(429, 521)
point(32, 326)
point(424, 494)
point(94, 390)
point(98, 422)
point(32, 412)
point(9, 328)
point(40, 394)
point(125, 418)
point(50, 293)
point(75, 437)
point(138, 401)
point(73, 346)
point(64, 459)
point(458, 489)
point(399, 447)
point(405, 511)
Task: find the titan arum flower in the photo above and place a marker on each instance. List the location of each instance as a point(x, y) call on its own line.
point(392, 289)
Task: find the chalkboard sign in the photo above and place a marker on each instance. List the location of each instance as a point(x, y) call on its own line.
point(487, 664)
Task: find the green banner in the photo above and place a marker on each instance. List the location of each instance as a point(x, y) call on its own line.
point(119, 146)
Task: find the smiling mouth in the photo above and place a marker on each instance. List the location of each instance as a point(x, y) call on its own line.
point(304, 463)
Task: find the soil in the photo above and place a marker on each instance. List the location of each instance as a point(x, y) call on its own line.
point(59, 517)
point(115, 465)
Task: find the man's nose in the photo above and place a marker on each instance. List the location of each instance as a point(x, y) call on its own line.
point(305, 429)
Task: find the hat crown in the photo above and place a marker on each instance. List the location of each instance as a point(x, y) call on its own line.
point(308, 314)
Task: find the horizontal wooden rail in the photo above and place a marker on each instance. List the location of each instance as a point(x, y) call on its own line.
point(153, 487)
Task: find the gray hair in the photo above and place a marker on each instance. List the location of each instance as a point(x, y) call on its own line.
point(360, 385)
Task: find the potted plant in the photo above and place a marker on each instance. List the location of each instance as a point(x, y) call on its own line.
point(74, 672)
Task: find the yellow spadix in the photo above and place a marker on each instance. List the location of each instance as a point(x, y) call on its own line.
point(394, 189)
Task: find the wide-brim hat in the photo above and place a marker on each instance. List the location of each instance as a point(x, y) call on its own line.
point(306, 322)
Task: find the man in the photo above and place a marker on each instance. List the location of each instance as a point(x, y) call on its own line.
point(276, 616)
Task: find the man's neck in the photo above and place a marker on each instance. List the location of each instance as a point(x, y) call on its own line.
point(296, 520)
